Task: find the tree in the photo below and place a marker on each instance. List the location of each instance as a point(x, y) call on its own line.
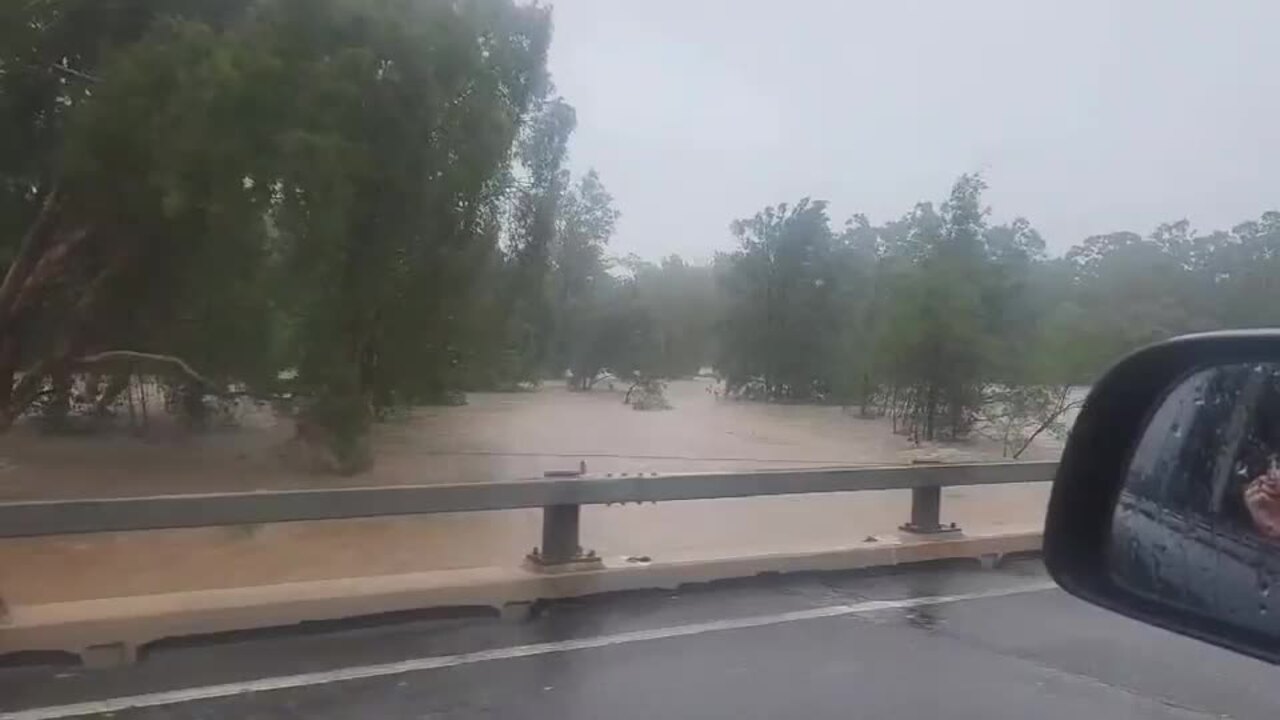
point(397, 143)
point(942, 325)
point(779, 288)
point(583, 293)
point(118, 192)
point(308, 188)
point(614, 333)
point(530, 321)
point(863, 268)
point(680, 299)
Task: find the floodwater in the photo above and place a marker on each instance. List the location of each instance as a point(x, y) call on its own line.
point(495, 436)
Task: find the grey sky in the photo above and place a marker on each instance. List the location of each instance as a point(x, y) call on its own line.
point(1085, 116)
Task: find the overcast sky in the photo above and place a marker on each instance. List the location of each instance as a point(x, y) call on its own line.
point(1085, 116)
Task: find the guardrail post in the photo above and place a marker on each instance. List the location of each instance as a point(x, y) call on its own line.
point(561, 544)
point(926, 507)
point(560, 538)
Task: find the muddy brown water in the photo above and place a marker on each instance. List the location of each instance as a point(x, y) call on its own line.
point(495, 436)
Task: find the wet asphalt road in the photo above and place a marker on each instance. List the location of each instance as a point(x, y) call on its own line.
point(749, 649)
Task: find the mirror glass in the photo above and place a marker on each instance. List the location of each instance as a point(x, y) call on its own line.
point(1198, 521)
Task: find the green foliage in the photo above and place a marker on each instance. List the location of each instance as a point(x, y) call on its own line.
point(779, 294)
point(585, 297)
point(945, 317)
point(260, 187)
point(611, 332)
point(525, 319)
point(681, 301)
point(397, 145)
point(188, 227)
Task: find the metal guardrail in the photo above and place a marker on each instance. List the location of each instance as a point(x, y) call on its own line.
point(560, 497)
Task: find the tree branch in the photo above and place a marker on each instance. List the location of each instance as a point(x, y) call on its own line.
point(1063, 406)
point(75, 73)
point(28, 251)
point(68, 71)
point(46, 268)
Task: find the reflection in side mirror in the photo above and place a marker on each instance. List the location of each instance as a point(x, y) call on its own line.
point(1197, 523)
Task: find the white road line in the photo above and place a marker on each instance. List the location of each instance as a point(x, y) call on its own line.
point(283, 682)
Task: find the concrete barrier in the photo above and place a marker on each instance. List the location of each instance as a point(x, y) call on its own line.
point(111, 630)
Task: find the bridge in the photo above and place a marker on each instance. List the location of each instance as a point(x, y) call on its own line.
point(896, 641)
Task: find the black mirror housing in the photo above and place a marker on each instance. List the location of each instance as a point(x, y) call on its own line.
point(1093, 472)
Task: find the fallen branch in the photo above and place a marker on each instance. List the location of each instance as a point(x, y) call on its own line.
point(136, 356)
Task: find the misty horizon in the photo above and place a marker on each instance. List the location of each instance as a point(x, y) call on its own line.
point(1085, 118)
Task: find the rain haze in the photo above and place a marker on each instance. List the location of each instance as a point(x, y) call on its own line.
point(1085, 117)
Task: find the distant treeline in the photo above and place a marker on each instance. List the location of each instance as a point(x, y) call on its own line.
point(933, 315)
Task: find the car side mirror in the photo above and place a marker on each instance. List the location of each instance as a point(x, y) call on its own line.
point(1166, 506)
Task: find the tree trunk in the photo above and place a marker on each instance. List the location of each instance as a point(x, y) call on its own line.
point(8, 377)
point(930, 412)
point(142, 402)
point(58, 409)
point(193, 408)
point(133, 410)
point(866, 394)
point(34, 242)
point(116, 384)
